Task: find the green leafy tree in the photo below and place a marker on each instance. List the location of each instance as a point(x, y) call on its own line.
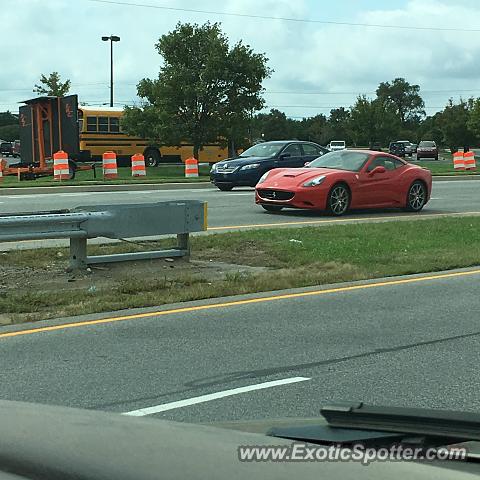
point(473, 122)
point(372, 121)
point(52, 85)
point(404, 98)
point(8, 118)
point(10, 132)
point(204, 90)
point(312, 128)
point(9, 127)
point(337, 126)
point(274, 125)
point(455, 121)
point(430, 129)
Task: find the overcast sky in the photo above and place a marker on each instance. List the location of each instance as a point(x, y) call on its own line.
point(41, 36)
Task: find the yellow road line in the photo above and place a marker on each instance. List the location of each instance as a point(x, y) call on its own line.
point(341, 220)
point(239, 302)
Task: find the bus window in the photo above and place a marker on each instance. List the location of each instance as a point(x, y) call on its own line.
point(80, 124)
point(114, 124)
point(91, 124)
point(103, 124)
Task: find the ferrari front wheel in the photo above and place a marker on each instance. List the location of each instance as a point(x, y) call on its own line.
point(338, 199)
point(416, 197)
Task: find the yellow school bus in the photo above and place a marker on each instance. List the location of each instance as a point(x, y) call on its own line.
point(100, 130)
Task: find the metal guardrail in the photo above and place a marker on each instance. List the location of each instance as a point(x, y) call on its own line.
point(110, 221)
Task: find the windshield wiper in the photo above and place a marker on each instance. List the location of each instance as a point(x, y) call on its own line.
point(372, 425)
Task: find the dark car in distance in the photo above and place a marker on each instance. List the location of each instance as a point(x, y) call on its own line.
point(250, 165)
point(375, 146)
point(398, 148)
point(6, 148)
point(427, 149)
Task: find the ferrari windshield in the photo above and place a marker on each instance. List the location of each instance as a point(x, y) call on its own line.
point(263, 150)
point(341, 160)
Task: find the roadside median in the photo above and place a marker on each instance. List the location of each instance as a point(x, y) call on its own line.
point(34, 284)
point(155, 176)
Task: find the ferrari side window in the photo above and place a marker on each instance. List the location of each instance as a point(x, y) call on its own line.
point(390, 164)
point(376, 162)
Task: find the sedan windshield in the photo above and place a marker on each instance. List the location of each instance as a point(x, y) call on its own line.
point(263, 150)
point(342, 160)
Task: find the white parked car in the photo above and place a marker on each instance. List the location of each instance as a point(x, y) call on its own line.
point(337, 145)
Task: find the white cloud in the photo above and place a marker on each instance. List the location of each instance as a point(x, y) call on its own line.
point(39, 36)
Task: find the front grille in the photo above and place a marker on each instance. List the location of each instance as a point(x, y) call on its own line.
point(276, 194)
point(221, 169)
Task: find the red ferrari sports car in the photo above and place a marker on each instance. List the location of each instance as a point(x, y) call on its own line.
point(346, 179)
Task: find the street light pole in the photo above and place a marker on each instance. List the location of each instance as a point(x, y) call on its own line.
point(112, 38)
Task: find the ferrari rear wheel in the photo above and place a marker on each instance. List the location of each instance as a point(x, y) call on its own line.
point(338, 199)
point(416, 197)
point(272, 208)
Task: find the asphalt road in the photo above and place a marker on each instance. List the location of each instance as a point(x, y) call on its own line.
point(407, 343)
point(237, 208)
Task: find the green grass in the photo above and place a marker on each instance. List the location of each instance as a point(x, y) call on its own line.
point(442, 167)
point(162, 174)
point(325, 255)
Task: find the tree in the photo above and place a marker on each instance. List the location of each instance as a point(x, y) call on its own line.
point(473, 122)
point(8, 118)
point(9, 127)
point(404, 98)
point(337, 126)
point(430, 129)
point(371, 121)
point(274, 125)
point(10, 132)
point(205, 89)
point(312, 128)
point(454, 123)
point(52, 86)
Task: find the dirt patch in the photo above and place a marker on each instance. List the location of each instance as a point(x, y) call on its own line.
point(54, 277)
point(32, 293)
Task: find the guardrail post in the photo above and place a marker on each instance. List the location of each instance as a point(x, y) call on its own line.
point(78, 253)
point(183, 243)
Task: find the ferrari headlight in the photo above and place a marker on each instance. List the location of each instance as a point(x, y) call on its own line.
point(315, 181)
point(263, 177)
point(250, 167)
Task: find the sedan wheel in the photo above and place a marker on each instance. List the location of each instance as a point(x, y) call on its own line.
point(417, 197)
point(338, 200)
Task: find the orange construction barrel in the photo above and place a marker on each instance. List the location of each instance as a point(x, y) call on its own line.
point(61, 169)
point(109, 164)
point(138, 165)
point(469, 160)
point(458, 161)
point(191, 167)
